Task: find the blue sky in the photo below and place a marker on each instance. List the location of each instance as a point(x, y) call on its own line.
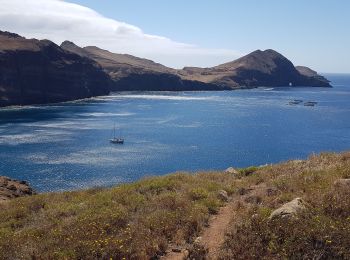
point(200, 32)
point(307, 31)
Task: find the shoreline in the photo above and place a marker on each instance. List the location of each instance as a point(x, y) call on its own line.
point(37, 105)
point(28, 185)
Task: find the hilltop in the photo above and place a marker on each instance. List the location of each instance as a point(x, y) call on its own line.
point(297, 209)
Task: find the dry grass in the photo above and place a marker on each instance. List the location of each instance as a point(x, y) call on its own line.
point(321, 232)
point(131, 221)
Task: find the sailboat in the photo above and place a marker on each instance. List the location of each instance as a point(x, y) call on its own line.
point(116, 140)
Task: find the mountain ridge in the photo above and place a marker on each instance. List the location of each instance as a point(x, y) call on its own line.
point(39, 71)
point(259, 68)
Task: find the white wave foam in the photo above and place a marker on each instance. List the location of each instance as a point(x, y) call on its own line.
point(110, 155)
point(100, 114)
point(36, 137)
point(162, 97)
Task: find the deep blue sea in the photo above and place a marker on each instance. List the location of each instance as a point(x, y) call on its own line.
point(66, 146)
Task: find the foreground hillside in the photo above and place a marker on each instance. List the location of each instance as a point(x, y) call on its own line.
point(148, 218)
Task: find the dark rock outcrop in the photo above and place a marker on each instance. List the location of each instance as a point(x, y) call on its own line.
point(38, 72)
point(10, 189)
point(312, 76)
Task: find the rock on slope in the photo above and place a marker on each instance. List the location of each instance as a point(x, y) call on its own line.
point(37, 72)
point(10, 188)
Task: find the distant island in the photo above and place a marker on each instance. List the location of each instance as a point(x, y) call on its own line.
point(39, 72)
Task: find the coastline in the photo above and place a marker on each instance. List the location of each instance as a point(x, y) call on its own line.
point(35, 105)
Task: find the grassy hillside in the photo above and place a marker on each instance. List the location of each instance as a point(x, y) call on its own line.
point(140, 220)
point(129, 221)
point(322, 231)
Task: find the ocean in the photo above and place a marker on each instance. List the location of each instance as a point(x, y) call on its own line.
point(66, 146)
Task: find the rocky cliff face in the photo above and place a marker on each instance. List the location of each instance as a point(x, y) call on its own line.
point(314, 78)
point(37, 72)
point(10, 189)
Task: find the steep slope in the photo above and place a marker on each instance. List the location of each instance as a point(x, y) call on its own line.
point(117, 65)
point(37, 72)
point(312, 75)
point(259, 68)
point(132, 73)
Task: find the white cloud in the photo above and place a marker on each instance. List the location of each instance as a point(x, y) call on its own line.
point(58, 20)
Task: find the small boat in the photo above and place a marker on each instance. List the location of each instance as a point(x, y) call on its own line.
point(310, 103)
point(295, 102)
point(116, 140)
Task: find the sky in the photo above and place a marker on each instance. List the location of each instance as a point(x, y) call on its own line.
point(203, 33)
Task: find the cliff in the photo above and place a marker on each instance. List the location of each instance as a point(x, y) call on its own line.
point(38, 72)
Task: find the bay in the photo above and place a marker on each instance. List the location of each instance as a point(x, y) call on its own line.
point(66, 146)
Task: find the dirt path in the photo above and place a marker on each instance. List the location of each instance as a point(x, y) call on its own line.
point(213, 236)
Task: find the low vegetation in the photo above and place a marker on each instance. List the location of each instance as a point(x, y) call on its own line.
point(322, 231)
point(142, 219)
point(131, 221)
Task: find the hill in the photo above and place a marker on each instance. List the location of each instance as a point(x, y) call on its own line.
point(292, 210)
point(259, 68)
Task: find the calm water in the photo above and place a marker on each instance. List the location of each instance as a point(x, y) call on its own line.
point(64, 147)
